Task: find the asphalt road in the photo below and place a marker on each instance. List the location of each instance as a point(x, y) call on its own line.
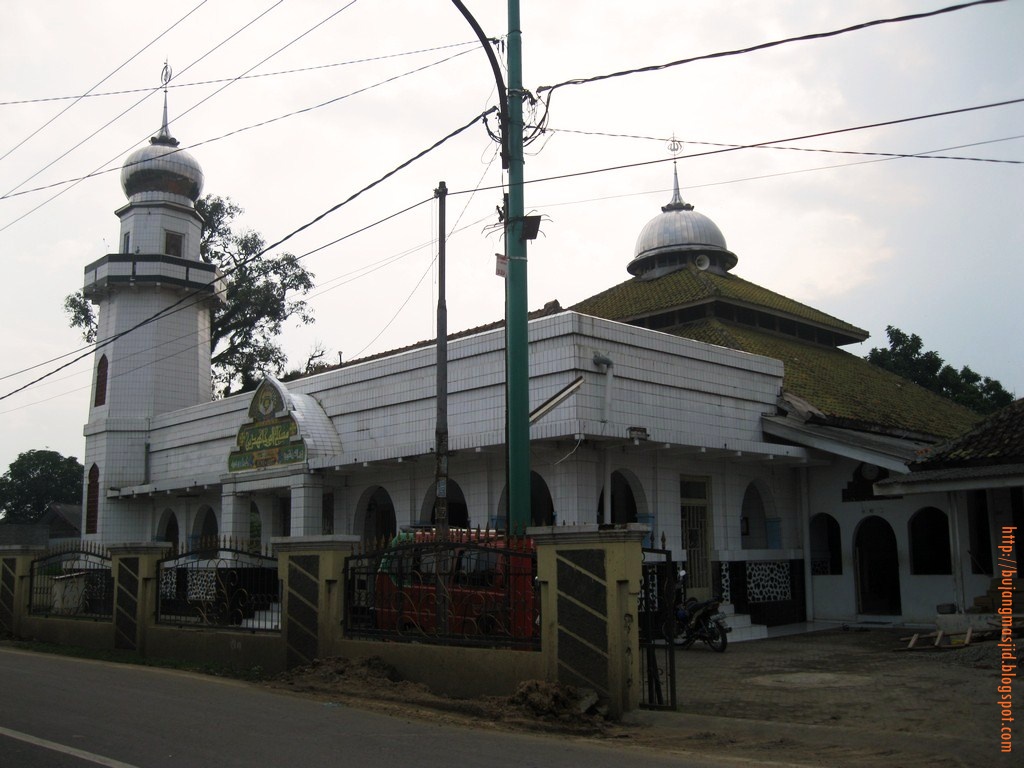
point(57, 711)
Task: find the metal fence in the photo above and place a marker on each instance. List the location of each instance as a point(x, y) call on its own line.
point(217, 585)
point(657, 656)
point(478, 589)
point(75, 581)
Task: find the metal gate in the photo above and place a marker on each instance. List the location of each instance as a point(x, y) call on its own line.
point(657, 656)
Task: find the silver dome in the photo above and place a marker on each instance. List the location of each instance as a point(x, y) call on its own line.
point(678, 229)
point(162, 167)
point(681, 231)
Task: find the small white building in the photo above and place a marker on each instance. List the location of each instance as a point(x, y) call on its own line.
point(722, 415)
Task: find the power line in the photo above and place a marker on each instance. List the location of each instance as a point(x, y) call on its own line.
point(759, 177)
point(760, 144)
point(763, 46)
point(927, 155)
point(133, 106)
point(298, 70)
point(107, 77)
point(194, 106)
point(229, 134)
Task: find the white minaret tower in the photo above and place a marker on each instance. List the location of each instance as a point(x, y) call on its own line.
point(154, 300)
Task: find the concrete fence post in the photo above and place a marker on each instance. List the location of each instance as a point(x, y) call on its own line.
point(136, 589)
point(590, 580)
point(15, 582)
point(311, 569)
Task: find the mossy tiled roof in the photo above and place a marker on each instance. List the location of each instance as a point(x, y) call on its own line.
point(847, 389)
point(999, 439)
point(688, 286)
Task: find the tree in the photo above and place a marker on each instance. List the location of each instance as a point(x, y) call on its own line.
point(261, 295)
point(906, 358)
point(37, 479)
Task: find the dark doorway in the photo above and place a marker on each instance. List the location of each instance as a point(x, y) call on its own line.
point(623, 501)
point(379, 523)
point(878, 568)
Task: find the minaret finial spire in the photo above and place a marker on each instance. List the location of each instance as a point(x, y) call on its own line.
point(676, 204)
point(164, 137)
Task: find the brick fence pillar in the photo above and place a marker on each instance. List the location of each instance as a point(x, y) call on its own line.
point(590, 585)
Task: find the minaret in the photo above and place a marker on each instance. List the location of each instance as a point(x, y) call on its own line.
point(154, 299)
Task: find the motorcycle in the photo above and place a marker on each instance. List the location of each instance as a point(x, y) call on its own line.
point(691, 620)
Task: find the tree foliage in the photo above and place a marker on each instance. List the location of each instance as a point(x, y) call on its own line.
point(261, 296)
point(36, 479)
point(905, 357)
point(262, 293)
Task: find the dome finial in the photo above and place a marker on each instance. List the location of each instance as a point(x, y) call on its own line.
point(676, 204)
point(164, 137)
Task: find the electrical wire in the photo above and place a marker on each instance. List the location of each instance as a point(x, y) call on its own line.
point(298, 70)
point(194, 106)
point(927, 154)
point(756, 145)
point(101, 171)
point(133, 106)
point(772, 44)
point(89, 93)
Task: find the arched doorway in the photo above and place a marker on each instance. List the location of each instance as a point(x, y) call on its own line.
point(168, 529)
point(542, 506)
point(204, 530)
point(624, 506)
point(878, 568)
point(458, 511)
point(379, 523)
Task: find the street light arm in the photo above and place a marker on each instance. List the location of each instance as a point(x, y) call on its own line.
point(498, 79)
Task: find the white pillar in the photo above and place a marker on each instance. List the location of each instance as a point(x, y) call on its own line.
point(307, 506)
point(234, 513)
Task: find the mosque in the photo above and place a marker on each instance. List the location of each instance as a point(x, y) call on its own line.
point(724, 416)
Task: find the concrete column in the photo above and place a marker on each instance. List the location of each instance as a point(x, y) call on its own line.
point(15, 581)
point(311, 570)
point(307, 505)
point(234, 514)
point(590, 585)
point(135, 591)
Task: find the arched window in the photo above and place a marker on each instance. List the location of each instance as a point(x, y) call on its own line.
point(929, 542)
point(101, 382)
point(92, 500)
point(826, 547)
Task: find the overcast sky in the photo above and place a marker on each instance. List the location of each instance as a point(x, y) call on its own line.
point(933, 246)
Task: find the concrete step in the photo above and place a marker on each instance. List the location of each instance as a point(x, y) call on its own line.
point(742, 628)
point(269, 618)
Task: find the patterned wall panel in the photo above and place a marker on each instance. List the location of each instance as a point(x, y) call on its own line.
point(7, 566)
point(126, 605)
point(768, 581)
point(583, 619)
point(303, 625)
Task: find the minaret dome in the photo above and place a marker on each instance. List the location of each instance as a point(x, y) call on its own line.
point(161, 169)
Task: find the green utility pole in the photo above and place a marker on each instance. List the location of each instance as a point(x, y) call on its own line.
point(517, 373)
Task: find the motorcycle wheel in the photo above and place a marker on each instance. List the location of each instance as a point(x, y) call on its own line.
point(675, 634)
point(716, 637)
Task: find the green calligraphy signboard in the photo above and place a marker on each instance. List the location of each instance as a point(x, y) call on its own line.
point(271, 438)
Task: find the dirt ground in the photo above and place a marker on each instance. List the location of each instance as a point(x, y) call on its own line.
point(832, 698)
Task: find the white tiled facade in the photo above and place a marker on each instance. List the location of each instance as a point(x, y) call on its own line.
point(666, 413)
